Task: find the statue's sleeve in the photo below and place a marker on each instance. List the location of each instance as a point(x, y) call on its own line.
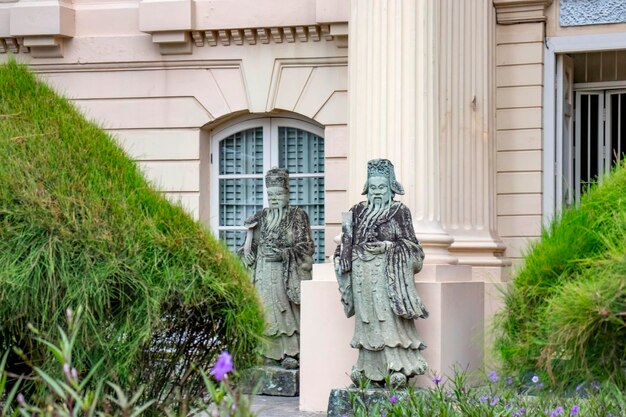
point(298, 259)
point(251, 241)
point(404, 259)
point(344, 253)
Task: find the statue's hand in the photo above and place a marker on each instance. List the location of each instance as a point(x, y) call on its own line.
point(248, 259)
point(346, 265)
point(274, 255)
point(375, 247)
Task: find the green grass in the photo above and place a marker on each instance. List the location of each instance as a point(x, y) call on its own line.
point(565, 309)
point(80, 226)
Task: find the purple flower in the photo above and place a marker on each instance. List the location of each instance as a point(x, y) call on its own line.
point(509, 380)
point(494, 401)
point(535, 379)
point(393, 399)
point(493, 376)
point(579, 387)
point(519, 413)
point(483, 399)
point(21, 400)
point(557, 411)
point(223, 366)
point(539, 385)
point(436, 379)
point(574, 410)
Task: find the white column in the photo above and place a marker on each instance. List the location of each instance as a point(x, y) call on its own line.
point(467, 133)
point(394, 107)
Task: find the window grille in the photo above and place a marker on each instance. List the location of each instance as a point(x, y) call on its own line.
point(246, 155)
point(600, 137)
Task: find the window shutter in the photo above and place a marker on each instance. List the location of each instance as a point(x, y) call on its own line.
point(240, 183)
point(302, 153)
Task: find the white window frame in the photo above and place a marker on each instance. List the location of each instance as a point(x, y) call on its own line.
point(552, 47)
point(270, 127)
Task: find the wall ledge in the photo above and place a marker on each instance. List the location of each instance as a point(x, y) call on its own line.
point(510, 12)
point(39, 27)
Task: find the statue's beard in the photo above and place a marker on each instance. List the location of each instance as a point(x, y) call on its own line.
point(274, 216)
point(377, 206)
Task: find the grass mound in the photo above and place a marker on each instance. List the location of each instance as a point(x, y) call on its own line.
point(80, 226)
point(566, 309)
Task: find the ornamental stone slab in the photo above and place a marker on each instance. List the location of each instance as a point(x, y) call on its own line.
point(271, 380)
point(585, 12)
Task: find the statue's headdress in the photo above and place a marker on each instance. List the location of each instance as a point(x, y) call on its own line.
point(383, 168)
point(277, 177)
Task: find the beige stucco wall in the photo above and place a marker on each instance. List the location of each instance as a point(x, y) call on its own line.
point(520, 79)
point(519, 97)
point(162, 108)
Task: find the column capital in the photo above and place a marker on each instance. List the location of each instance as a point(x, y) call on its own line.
point(509, 12)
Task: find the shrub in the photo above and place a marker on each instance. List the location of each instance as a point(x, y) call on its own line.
point(79, 225)
point(68, 393)
point(565, 309)
point(495, 397)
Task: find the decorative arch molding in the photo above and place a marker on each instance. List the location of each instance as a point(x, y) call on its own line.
point(311, 87)
point(315, 88)
point(232, 120)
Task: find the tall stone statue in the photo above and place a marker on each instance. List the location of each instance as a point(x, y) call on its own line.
point(375, 266)
point(279, 250)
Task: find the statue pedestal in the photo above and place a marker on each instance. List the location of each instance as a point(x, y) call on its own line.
point(271, 380)
point(340, 400)
point(454, 332)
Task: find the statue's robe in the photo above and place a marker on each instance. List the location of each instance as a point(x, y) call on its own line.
point(278, 283)
point(380, 292)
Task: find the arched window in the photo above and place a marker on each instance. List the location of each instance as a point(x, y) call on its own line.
point(243, 152)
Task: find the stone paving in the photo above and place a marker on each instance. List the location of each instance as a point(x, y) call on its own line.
point(265, 406)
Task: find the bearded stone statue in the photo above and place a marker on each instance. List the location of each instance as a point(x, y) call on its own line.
point(375, 266)
point(279, 250)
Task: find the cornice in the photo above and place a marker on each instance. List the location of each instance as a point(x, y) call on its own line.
point(509, 12)
point(36, 27)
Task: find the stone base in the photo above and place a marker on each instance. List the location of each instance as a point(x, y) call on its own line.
point(271, 380)
point(340, 400)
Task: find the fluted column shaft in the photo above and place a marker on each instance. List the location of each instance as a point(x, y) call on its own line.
point(467, 133)
point(394, 107)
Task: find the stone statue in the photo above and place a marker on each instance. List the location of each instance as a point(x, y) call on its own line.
point(375, 266)
point(279, 249)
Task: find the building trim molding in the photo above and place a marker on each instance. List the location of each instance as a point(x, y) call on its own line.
point(38, 28)
point(510, 12)
point(553, 46)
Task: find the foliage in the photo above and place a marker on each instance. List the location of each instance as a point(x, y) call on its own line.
point(79, 225)
point(457, 397)
point(67, 393)
point(565, 310)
